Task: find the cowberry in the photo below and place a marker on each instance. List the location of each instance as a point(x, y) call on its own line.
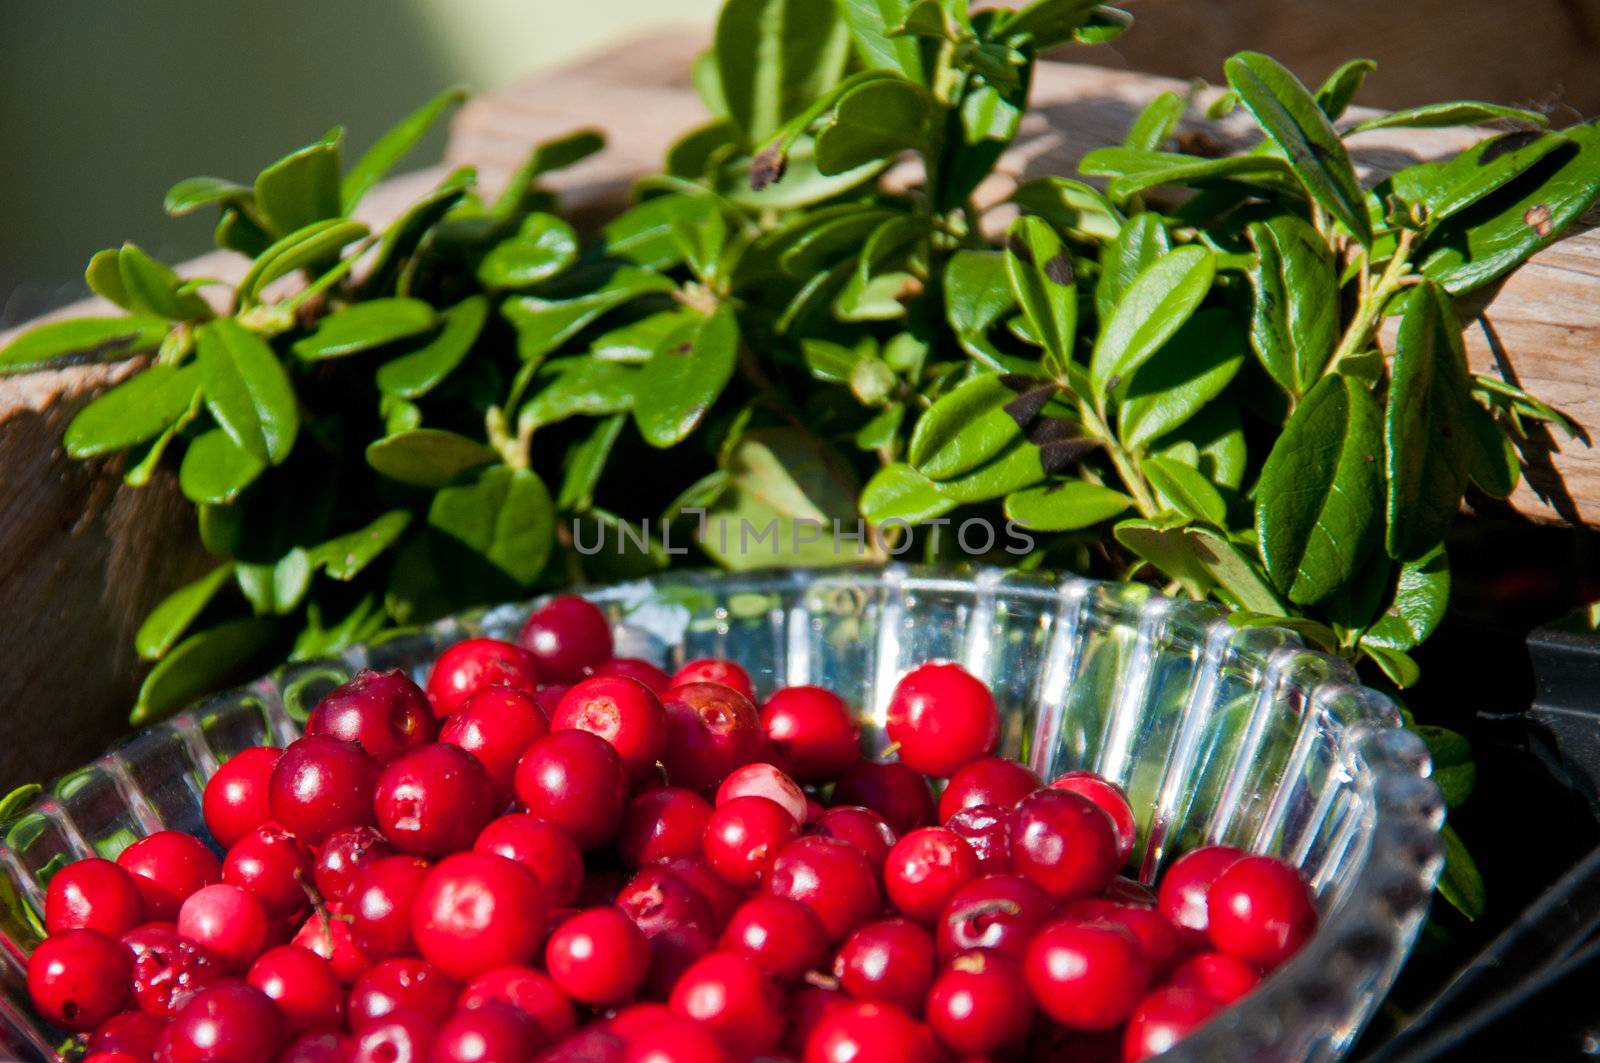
point(657, 899)
point(1086, 976)
point(732, 996)
point(167, 968)
point(808, 1006)
point(980, 1005)
point(764, 780)
point(228, 922)
point(546, 850)
point(1222, 977)
point(403, 983)
point(328, 935)
point(325, 1046)
point(384, 713)
point(531, 992)
point(711, 730)
point(638, 669)
point(672, 952)
point(813, 730)
point(861, 828)
point(235, 800)
point(470, 666)
point(132, 1032)
point(677, 1040)
point(275, 866)
point(721, 897)
point(302, 985)
point(93, 894)
point(942, 717)
point(1261, 911)
point(478, 911)
point(598, 957)
point(987, 781)
point(568, 638)
point(987, 829)
point(230, 1022)
point(1111, 800)
point(1182, 895)
point(999, 913)
point(343, 857)
point(1164, 1018)
point(1064, 843)
point(322, 785)
point(868, 1031)
point(78, 979)
point(890, 960)
point(576, 781)
point(782, 936)
point(494, 1033)
point(496, 725)
point(894, 791)
point(829, 877)
point(716, 670)
point(433, 800)
point(925, 868)
point(662, 823)
point(402, 1036)
point(622, 711)
point(1162, 942)
point(167, 866)
point(744, 836)
point(380, 905)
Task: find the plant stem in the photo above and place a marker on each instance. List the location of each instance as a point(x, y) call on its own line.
point(1126, 468)
point(1369, 309)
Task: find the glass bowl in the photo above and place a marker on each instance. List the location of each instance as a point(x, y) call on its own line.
point(1219, 734)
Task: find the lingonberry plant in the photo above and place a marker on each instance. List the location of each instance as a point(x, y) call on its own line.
point(382, 897)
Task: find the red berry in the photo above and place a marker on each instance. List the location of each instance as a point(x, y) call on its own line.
point(132, 1032)
point(813, 730)
point(678, 1041)
point(273, 865)
point(999, 913)
point(942, 716)
point(322, 785)
point(764, 780)
point(1164, 1018)
point(1222, 977)
point(894, 791)
point(399, 1037)
point(660, 824)
point(1112, 801)
point(531, 992)
point(868, 1032)
point(78, 979)
point(744, 836)
point(401, 984)
point(924, 870)
point(112, 1057)
point(637, 1019)
point(989, 781)
point(568, 637)
point(434, 800)
point(167, 968)
point(302, 985)
point(672, 952)
point(329, 937)
point(987, 829)
point(343, 857)
point(732, 996)
point(577, 782)
point(546, 850)
point(468, 667)
point(890, 960)
point(230, 1022)
point(657, 899)
point(1064, 843)
point(859, 827)
point(780, 935)
point(235, 800)
point(384, 713)
point(324, 1047)
point(720, 897)
point(228, 922)
point(496, 725)
point(829, 877)
point(1261, 911)
point(92, 894)
point(494, 1033)
point(808, 1006)
point(1184, 889)
point(622, 711)
point(716, 670)
point(1162, 942)
point(598, 957)
point(380, 905)
point(980, 1004)
point(1086, 976)
point(167, 867)
point(711, 730)
point(639, 669)
point(477, 911)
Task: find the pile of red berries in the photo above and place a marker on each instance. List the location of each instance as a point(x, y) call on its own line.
point(555, 854)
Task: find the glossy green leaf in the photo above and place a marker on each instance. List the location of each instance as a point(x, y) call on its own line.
point(139, 408)
point(978, 296)
point(276, 588)
point(1342, 85)
point(774, 57)
point(247, 390)
point(1216, 436)
point(1462, 883)
point(215, 469)
point(557, 153)
point(193, 193)
point(1491, 456)
point(1013, 469)
point(583, 463)
point(105, 337)
point(1187, 372)
point(1133, 247)
point(643, 234)
point(1104, 25)
point(677, 387)
point(1160, 541)
point(1458, 112)
point(636, 341)
point(543, 247)
point(1135, 170)
point(1425, 424)
point(1292, 119)
point(964, 428)
point(427, 457)
point(403, 236)
point(976, 135)
point(153, 288)
point(344, 557)
point(875, 121)
point(200, 664)
point(1453, 767)
point(1421, 594)
point(238, 231)
point(835, 234)
point(394, 145)
point(1185, 489)
point(1156, 122)
point(898, 493)
point(1154, 307)
point(321, 639)
point(301, 187)
point(544, 324)
point(1072, 207)
point(317, 244)
point(415, 373)
point(1040, 267)
point(870, 23)
point(785, 494)
point(829, 362)
point(502, 518)
point(1233, 570)
point(1294, 320)
point(1319, 501)
point(103, 275)
point(1444, 189)
point(579, 386)
point(1065, 505)
point(1044, 24)
point(364, 326)
point(174, 614)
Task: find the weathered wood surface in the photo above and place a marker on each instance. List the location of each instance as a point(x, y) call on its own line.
point(84, 558)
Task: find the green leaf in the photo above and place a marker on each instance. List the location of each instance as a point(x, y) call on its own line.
point(1453, 767)
point(276, 588)
point(363, 326)
point(1040, 267)
point(153, 288)
point(1421, 594)
point(1401, 668)
point(975, 136)
point(1104, 25)
point(583, 464)
point(427, 457)
point(557, 153)
point(345, 557)
point(545, 324)
point(215, 469)
point(1235, 572)
point(173, 614)
point(874, 121)
point(193, 193)
point(543, 247)
point(502, 518)
point(14, 802)
point(1461, 883)
point(1065, 505)
point(677, 387)
point(1154, 307)
point(139, 408)
point(978, 295)
point(1156, 122)
point(1425, 424)
point(898, 493)
point(415, 373)
point(1015, 468)
point(1342, 85)
point(644, 234)
point(1160, 541)
point(784, 497)
point(870, 23)
point(1044, 24)
point(237, 231)
point(301, 187)
point(579, 386)
point(1185, 489)
point(1294, 321)
point(1289, 115)
point(394, 145)
point(106, 337)
point(1133, 247)
point(1491, 456)
point(200, 664)
point(316, 244)
point(964, 429)
point(1189, 370)
point(831, 363)
point(1134, 170)
point(1319, 500)
point(1458, 112)
point(1072, 207)
point(405, 234)
point(1444, 189)
point(103, 275)
point(247, 390)
point(1212, 440)
point(774, 57)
